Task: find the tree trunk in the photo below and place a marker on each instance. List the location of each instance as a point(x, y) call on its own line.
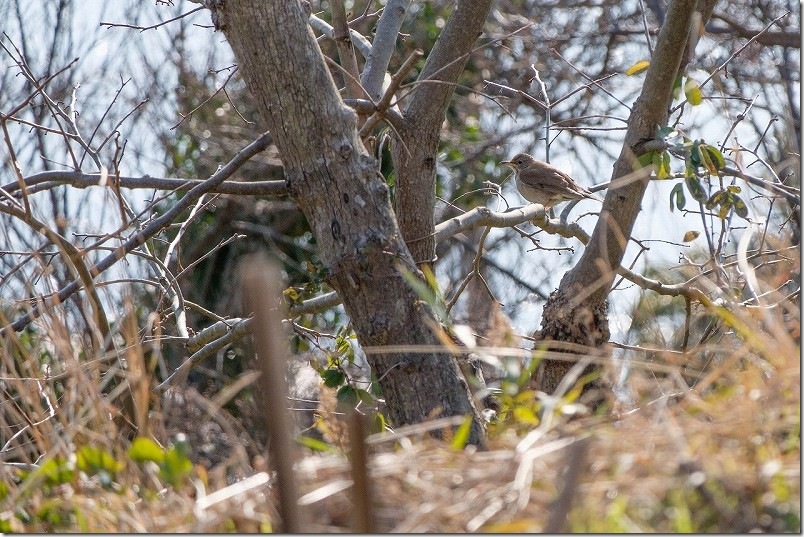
point(337, 186)
point(577, 311)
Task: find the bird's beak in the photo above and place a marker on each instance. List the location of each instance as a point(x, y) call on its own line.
point(507, 163)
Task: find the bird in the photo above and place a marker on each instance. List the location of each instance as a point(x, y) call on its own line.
point(543, 183)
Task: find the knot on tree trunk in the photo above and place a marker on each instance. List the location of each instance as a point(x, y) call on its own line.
point(216, 13)
point(566, 320)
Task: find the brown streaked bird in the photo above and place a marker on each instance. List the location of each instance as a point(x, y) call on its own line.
point(543, 183)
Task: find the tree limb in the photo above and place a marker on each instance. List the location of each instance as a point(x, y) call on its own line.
point(361, 43)
point(383, 47)
point(51, 179)
point(781, 39)
point(346, 51)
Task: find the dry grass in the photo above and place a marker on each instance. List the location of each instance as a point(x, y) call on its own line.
point(721, 455)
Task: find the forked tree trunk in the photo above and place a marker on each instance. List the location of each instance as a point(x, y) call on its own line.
point(337, 186)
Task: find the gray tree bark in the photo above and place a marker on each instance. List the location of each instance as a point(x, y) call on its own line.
point(337, 186)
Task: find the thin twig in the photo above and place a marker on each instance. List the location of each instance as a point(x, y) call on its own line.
point(385, 102)
point(205, 101)
point(152, 27)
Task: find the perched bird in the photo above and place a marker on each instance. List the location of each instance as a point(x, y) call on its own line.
point(542, 183)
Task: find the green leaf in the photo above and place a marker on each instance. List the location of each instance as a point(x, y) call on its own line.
point(696, 189)
point(646, 159)
point(656, 162)
point(739, 206)
point(718, 198)
point(315, 444)
point(681, 518)
point(525, 415)
point(98, 461)
point(144, 449)
point(706, 159)
point(56, 471)
point(724, 211)
point(365, 397)
point(427, 291)
point(175, 467)
point(677, 198)
point(376, 391)
point(695, 155)
point(343, 346)
point(661, 163)
point(692, 91)
point(715, 156)
point(333, 378)
point(430, 278)
point(462, 434)
point(525, 397)
point(6, 527)
point(347, 396)
point(666, 163)
point(378, 425)
point(638, 67)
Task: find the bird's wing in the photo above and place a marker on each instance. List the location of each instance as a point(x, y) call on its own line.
point(558, 184)
point(569, 183)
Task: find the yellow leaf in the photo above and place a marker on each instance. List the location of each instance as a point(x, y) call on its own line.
point(523, 414)
point(690, 236)
point(638, 67)
point(693, 92)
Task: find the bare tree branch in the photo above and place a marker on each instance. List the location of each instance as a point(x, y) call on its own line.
point(154, 227)
point(346, 51)
point(153, 26)
point(782, 39)
point(51, 179)
point(361, 43)
point(383, 47)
